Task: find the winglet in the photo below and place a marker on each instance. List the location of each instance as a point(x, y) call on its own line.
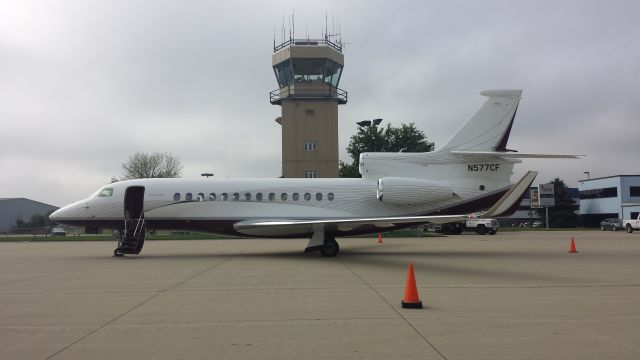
point(510, 201)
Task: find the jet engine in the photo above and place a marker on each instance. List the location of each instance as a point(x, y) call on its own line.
point(411, 191)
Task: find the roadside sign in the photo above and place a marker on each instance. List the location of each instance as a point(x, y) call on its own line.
point(546, 194)
point(535, 200)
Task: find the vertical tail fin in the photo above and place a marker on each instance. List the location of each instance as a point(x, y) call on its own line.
point(489, 128)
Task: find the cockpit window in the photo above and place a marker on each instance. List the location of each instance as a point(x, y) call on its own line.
point(106, 192)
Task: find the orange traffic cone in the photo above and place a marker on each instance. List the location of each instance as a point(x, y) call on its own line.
point(380, 238)
point(573, 246)
point(411, 299)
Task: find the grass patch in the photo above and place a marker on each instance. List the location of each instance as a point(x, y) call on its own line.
point(109, 237)
point(515, 229)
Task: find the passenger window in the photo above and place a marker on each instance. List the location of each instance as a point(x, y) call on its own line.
point(272, 196)
point(330, 196)
point(106, 192)
point(176, 197)
point(259, 196)
point(319, 196)
point(247, 196)
point(296, 197)
point(212, 197)
point(225, 196)
point(188, 197)
point(236, 196)
point(283, 196)
point(200, 197)
point(307, 196)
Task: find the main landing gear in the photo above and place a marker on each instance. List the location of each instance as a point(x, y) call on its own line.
point(327, 245)
point(330, 248)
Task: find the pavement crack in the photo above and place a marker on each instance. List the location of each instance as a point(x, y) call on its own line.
point(163, 291)
point(395, 310)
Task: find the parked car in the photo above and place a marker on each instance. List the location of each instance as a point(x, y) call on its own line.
point(614, 224)
point(538, 224)
point(632, 224)
point(58, 232)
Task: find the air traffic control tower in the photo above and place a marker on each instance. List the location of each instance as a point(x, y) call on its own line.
point(308, 74)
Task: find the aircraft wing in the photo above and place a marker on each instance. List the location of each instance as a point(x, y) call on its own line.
point(285, 227)
point(293, 227)
point(510, 201)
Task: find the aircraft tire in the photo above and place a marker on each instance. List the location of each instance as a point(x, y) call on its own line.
point(330, 248)
point(118, 253)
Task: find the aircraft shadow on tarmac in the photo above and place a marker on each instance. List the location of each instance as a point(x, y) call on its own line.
point(447, 262)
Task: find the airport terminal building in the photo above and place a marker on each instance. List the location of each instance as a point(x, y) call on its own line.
point(616, 196)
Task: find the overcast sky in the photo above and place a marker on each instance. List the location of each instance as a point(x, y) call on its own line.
point(85, 84)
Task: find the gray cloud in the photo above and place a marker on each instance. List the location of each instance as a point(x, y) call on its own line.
point(86, 84)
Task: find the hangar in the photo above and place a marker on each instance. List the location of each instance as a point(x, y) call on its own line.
point(616, 196)
point(12, 209)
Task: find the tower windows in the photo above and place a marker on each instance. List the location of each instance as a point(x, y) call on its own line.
point(307, 71)
point(310, 146)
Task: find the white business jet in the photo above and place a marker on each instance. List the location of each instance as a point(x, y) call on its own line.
point(468, 174)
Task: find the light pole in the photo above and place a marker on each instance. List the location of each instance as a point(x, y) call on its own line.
point(588, 175)
point(372, 124)
point(369, 123)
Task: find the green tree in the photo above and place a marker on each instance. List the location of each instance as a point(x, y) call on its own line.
point(156, 165)
point(406, 138)
point(36, 221)
point(562, 214)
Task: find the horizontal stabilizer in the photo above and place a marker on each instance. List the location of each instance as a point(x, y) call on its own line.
point(517, 155)
point(510, 201)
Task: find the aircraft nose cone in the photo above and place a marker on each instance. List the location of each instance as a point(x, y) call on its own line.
point(64, 213)
point(56, 215)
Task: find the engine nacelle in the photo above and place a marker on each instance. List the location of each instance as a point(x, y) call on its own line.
point(411, 191)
